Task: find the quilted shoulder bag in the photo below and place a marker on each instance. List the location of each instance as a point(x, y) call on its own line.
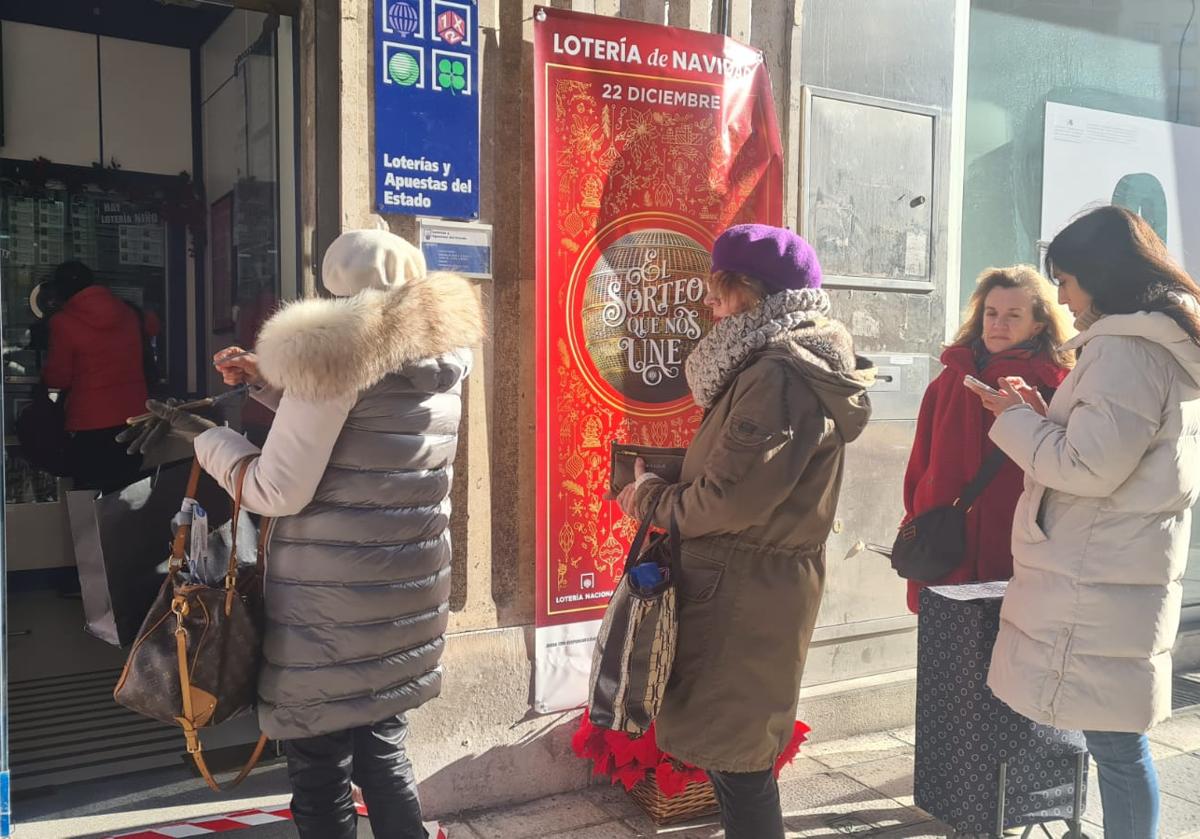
point(931, 545)
point(196, 658)
point(635, 648)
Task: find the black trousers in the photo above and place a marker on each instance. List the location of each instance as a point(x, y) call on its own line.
point(97, 461)
point(750, 807)
point(321, 769)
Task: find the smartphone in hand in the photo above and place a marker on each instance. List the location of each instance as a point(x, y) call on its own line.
point(979, 387)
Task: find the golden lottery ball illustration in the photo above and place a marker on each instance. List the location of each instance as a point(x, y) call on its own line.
point(643, 312)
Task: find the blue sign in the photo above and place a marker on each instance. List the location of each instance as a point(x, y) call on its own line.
point(5, 796)
point(427, 108)
point(470, 260)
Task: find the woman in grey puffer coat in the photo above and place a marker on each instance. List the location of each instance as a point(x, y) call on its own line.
point(356, 472)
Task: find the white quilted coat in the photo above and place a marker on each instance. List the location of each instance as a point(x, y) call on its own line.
point(1100, 536)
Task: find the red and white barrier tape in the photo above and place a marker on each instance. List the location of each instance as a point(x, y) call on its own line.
point(214, 824)
point(236, 821)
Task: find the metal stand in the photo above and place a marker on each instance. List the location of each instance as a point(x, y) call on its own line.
point(1074, 824)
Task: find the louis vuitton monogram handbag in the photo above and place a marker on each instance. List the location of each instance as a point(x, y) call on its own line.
point(635, 649)
point(196, 658)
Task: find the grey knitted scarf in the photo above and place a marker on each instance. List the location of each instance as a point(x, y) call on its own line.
point(799, 316)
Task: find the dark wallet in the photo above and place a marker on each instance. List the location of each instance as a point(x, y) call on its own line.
point(666, 463)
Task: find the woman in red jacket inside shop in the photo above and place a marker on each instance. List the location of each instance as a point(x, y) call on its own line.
point(97, 357)
point(1013, 327)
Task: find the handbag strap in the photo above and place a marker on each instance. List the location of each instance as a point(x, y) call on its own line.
point(676, 548)
point(264, 537)
point(187, 719)
point(251, 762)
point(231, 571)
point(184, 531)
point(635, 547)
point(987, 471)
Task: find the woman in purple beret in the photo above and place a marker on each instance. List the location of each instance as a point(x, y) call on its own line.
point(783, 393)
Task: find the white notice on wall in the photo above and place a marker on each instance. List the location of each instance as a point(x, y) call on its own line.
point(916, 254)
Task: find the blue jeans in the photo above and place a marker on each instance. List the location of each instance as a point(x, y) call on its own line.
point(1128, 783)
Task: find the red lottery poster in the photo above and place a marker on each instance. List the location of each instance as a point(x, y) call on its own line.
point(651, 140)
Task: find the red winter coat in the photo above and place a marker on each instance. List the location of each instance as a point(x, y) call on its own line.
point(951, 443)
point(96, 356)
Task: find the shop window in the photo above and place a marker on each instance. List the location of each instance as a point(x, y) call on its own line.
point(1110, 75)
point(1190, 37)
point(51, 214)
point(1143, 31)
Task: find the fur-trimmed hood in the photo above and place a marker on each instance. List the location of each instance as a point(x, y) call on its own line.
point(320, 348)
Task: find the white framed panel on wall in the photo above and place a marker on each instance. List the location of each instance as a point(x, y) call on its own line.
point(147, 106)
point(50, 104)
point(870, 195)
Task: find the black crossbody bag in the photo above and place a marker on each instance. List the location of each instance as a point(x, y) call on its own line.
point(932, 545)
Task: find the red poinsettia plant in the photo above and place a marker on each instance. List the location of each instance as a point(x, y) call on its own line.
point(627, 759)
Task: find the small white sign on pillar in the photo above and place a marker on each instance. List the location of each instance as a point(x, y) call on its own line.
point(462, 247)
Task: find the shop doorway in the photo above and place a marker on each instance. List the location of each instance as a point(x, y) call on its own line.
point(155, 142)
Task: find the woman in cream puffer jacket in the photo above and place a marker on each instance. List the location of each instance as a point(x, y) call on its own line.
point(1100, 536)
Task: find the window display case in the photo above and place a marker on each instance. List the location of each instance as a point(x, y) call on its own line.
point(119, 225)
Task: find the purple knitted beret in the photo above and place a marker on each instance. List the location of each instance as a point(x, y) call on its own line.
point(775, 256)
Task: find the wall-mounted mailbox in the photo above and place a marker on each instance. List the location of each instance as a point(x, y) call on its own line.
point(901, 379)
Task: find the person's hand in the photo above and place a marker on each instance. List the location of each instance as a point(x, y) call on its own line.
point(167, 421)
point(142, 436)
point(1008, 397)
point(628, 494)
point(1029, 394)
point(237, 371)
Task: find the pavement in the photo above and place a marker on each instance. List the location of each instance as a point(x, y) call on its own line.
point(859, 786)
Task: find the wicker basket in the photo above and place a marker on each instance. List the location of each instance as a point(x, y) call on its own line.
point(697, 799)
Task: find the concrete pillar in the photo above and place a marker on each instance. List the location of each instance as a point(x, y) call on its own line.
point(358, 115)
point(612, 8)
point(504, 576)
point(692, 14)
point(740, 18)
point(650, 11)
point(472, 601)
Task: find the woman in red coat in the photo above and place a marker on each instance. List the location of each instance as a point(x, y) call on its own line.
point(1013, 328)
point(96, 356)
